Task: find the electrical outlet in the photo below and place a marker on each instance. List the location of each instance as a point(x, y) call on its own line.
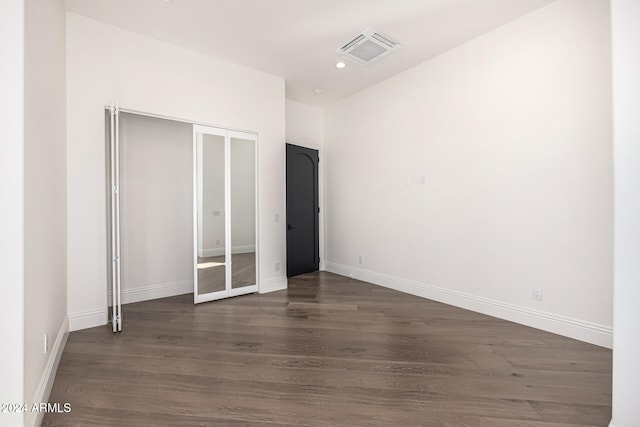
point(46, 344)
point(360, 259)
point(536, 293)
point(276, 266)
point(276, 218)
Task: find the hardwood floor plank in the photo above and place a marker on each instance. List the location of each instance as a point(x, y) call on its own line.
point(328, 351)
point(505, 422)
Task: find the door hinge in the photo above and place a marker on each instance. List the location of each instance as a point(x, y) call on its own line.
point(115, 189)
point(116, 258)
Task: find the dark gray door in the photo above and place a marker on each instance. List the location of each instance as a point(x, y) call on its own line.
point(302, 211)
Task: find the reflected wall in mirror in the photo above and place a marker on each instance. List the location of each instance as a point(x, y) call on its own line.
point(211, 260)
point(243, 212)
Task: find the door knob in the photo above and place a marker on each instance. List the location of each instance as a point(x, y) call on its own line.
point(290, 227)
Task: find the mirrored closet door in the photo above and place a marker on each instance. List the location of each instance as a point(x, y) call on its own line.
point(225, 230)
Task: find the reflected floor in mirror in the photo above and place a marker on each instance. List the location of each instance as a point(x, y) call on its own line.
point(211, 272)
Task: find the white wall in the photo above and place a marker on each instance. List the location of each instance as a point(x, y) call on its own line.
point(156, 214)
point(212, 175)
point(33, 185)
point(45, 196)
point(11, 216)
point(243, 195)
point(305, 127)
point(305, 124)
point(484, 172)
point(625, 15)
point(105, 63)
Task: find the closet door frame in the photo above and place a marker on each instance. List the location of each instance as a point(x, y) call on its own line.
point(229, 291)
point(114, 217)
point(113, 199)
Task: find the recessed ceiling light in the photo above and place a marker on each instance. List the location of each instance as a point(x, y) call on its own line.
point(341, 65)
point(317, 91)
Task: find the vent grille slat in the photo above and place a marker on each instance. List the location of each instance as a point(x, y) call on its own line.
point(384, 40)
point(352, 42)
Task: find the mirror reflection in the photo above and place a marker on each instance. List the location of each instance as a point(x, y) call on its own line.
point(211, 213)
point(243, 212)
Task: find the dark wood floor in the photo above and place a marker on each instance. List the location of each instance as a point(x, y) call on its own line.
point(329, 351)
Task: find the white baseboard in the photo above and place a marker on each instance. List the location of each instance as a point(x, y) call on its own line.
point(272, 285)
point(211, 252)
point(161, 290)
point(246, 249)
point(87, 319)
point(569, 327)
point(34, 419)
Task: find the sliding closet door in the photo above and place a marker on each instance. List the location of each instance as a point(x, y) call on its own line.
point(225, 261)
point(242, 166)
point(211, 219)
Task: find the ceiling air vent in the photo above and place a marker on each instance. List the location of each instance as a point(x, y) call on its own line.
point(367, 47)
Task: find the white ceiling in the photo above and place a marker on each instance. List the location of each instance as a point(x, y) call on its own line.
point(296, 39)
